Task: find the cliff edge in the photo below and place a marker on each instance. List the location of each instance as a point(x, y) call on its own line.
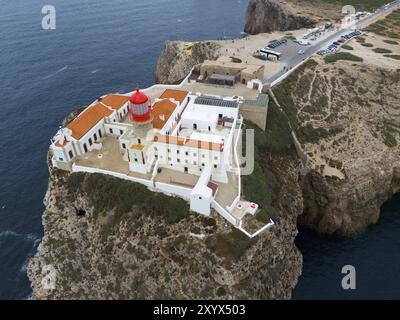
point(178, 58)
point(346, 118)
point(107, 238)
point(264, 16)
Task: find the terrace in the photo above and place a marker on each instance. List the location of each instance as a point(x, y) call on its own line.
point(109, 158)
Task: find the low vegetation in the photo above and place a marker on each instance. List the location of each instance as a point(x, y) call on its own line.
point(389, 27)
point(382, 50)
point(261, 184)
point(347, 47)
point(236, 60)
point(393, 56)
point(231, 245)
point(391, 42)
point(360, 5)
point(121, 196)
point(368, 45)
point(342, 56)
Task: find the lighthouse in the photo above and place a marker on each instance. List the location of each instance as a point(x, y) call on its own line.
point(140, 107)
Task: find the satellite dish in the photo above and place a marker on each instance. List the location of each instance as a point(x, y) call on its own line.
point(62, 135)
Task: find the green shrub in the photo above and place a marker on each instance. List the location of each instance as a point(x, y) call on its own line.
point(107, 193)
point(382, 50)
point(342, 56)
point(368, 45)
point(236, 60)
point(393, 56)
point(389, 139)
point(347, 47)
point(221, 292)
point(391, 42)
point(231, 245)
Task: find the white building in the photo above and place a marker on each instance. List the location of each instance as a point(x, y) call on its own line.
point(191, 134)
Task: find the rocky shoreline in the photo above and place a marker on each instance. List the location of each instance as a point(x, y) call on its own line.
point(86, 254)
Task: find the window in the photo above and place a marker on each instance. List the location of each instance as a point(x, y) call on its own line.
point(200, 198)
point(100, 134)
point(124, 146)
point(71, 154)
point(195, 154)
point(215, 166)
point(155, 149)
point(121, 132)
point(195, 162)
point(169, 150)
point(136, 160)
point(90, 141)
point(85, 147)
point(95, 137)
point(61, 159)
point(203, 155)
point(215, 157)
point(111, 130)
point(187, 153)
point(169, 158)
point(202, 164)
point(178, 160)
point(177, 151)
point(139, 141)
point(156, 156)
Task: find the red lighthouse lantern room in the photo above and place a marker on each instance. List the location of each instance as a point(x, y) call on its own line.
point(140, 107)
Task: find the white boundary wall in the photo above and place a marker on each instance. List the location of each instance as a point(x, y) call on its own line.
point(76, 168)
point(174, 190)
point(224, 213)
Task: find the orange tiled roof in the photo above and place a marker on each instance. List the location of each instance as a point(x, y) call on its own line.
point(115, 101)
point(161, 112)
point(178, 95)
point(88, 119)
point(189, 142)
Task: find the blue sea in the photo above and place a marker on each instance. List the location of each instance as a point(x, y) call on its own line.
point(106, 46)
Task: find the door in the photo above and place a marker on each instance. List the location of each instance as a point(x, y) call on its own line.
point(195, 126)
point(186, 170)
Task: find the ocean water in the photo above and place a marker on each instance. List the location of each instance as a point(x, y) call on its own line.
point(104, 46)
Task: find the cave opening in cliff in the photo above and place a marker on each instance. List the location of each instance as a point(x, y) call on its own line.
point(80, 212)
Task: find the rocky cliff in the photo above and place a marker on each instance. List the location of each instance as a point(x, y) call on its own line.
point(346, 117)
point(270, 15)
point(105, 238)
point(178, 58)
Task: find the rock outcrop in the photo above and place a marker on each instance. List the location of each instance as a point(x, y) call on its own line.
point(346, 117)
point(269, 15)
point(178, 58)
point(92, 253)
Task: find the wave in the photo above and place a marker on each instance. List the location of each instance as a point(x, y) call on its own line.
point(30, 236)
point(55, 73)
point(94, 71)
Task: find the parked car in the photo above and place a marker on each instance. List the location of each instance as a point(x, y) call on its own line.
point(301, 52)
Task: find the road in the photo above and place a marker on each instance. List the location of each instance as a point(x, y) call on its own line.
point(294, 59)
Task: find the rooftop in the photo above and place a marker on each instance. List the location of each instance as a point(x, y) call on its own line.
point(162, 111)
point(88, 119)
point(212, 101)
point(178, 95)
point(114, 101)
